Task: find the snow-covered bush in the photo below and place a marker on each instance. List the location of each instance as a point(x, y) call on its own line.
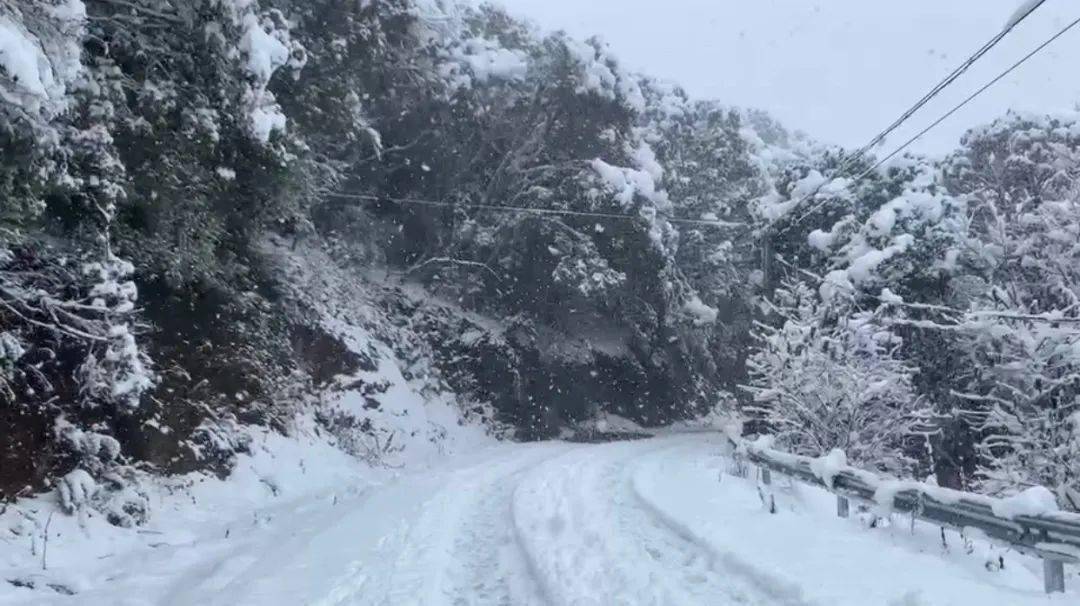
point(119, 374)
point(101, 483)
point(824, 378)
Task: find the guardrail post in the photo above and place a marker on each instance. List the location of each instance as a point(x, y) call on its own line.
point(843, 507)
point(1054, 576)
point(767, 496)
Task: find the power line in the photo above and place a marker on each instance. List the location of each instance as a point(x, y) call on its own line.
point(952, 77)
point(947, 81)
point(971, 98)
point(937, 89)
point(527, 210)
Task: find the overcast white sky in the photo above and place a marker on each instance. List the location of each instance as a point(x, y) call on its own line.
point(841, 70)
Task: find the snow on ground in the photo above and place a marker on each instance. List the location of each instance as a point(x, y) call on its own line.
point(202, 527)
point(813, 557)
point(213, 541)
point(648, 522)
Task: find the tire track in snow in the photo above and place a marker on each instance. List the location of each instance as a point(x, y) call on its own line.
point(498, 572)
point(591, 541)
point(561, 528)
point(755, 585)
point(550, 524)
point(692, 569)
point(463, 550)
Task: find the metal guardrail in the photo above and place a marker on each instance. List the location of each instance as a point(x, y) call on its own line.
point(1053, 537)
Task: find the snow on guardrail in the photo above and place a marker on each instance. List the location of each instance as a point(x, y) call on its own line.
point(1028, 522)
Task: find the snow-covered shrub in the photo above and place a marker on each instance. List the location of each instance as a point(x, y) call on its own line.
point(102, 483)
point(120, 374)
point(76, 489)
point(824, 379)
point(1033, 445)
point(72, 370)
point(375, 445)
point(117, 497)
point(98, 450)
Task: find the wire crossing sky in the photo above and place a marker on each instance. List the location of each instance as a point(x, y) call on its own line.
point(837, 69)
point(884, 159)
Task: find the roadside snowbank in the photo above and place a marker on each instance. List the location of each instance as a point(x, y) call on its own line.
point(195, 517)
point(831, 560)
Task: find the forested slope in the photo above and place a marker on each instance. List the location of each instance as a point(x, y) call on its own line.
point(214, 210)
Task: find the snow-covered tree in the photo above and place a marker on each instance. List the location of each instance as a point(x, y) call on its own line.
point(1026, 402)
point(1023, 331)
point(39, 69)
point(824, 377)
point(155, 151)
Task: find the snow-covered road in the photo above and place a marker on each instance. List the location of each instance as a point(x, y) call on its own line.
point(538, 524)
point(649, 522)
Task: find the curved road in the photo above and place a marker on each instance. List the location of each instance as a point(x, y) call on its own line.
point(635, 523)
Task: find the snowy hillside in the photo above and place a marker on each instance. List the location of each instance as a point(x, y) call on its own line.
point(357, 433)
